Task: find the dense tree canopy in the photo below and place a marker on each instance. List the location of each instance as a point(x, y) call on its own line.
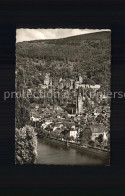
point(25, 145)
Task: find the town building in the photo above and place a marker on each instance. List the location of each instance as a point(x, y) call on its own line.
point(67, 83)
point(73, 133)
point(97, 129)
point(80, 79)
point(71, 84)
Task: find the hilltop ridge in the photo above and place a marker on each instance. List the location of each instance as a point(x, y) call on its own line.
point(93, 36)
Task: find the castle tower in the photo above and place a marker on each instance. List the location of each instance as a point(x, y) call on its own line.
point(80, 79)
point(47, 79)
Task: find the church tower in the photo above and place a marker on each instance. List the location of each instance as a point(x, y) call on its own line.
point(79, 104)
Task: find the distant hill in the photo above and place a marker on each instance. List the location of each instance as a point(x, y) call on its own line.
point(90, 36)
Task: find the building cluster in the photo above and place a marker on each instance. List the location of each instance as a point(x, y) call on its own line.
point(72, 89)
point(69, 119)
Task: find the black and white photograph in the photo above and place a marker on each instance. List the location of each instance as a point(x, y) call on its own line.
point(62, 96)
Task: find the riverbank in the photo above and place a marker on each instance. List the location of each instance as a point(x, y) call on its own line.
point(92, 152)
point(51, 153)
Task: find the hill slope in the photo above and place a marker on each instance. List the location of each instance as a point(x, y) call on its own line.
point(66, 57)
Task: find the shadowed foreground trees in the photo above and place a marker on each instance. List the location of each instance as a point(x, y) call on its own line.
point(25, 145)
point(85, 135)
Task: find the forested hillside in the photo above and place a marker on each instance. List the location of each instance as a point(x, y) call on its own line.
point(90, 53)
point(67, 57)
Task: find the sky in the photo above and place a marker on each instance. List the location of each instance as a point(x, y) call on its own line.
point(36, 34)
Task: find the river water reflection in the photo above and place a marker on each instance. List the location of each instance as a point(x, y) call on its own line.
point(54, 154)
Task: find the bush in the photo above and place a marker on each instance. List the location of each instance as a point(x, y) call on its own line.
point(25, 145)
point(91, 143)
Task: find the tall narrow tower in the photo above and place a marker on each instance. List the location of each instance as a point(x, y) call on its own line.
point(80, 104)
point(47, 79)
point(80, 79)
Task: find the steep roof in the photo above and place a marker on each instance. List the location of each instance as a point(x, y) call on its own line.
point(70, 123)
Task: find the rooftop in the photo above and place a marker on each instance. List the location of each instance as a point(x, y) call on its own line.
point(98, 128)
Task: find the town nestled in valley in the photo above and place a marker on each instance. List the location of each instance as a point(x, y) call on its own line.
point(65, 86)
point(74, 112)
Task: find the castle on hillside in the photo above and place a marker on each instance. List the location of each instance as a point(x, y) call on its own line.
point(78, 85)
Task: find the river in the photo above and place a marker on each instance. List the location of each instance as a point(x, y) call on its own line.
point(49, 153)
